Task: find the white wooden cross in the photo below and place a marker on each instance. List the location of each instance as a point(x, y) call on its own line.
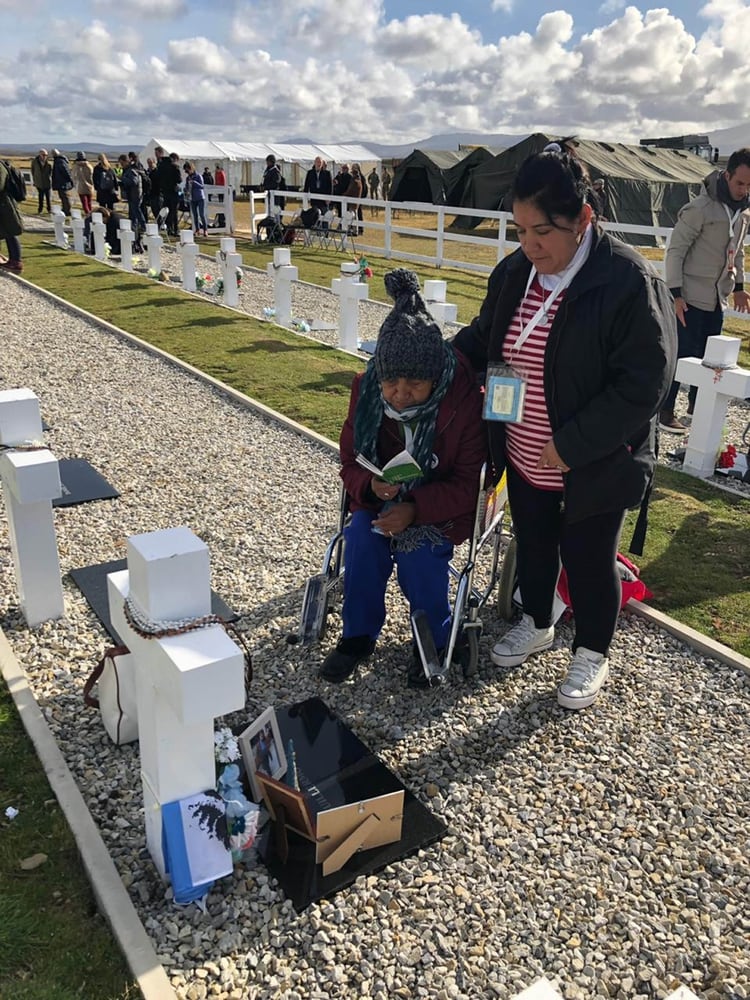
point(435, 295)
point(283, 274)
point(154, 244)
point(78, 223)
point(229, 260)
point(719, 379)
point(31, 479)
point(188, 251)
point(126, 236)
point(58, 221)
point(183, 682)
point(350, 292)
point(99, 230)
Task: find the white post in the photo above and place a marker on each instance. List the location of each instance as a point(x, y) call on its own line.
point(228, 260)
point(99, 230)
point(127, 236)
point(283, 274)
point(31, 479)
point(188, 251)
point(351, 292)
point(719, 379)
point(435, 293)
point(183, 682)
point(58, 221)
point(154, 244)
point(77, 223)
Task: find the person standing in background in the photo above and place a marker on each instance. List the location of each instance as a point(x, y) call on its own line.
point(84, 179)
point(41, 175)
point(62, 179)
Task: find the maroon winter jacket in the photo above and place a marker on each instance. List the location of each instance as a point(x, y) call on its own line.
point(449, 499)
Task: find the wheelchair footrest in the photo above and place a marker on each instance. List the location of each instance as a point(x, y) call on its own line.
point(314, 609)
point(435, 671)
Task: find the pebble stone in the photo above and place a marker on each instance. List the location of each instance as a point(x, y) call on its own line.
point(606, 850)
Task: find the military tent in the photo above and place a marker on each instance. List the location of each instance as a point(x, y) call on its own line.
point(645, 186)
point(437, 177)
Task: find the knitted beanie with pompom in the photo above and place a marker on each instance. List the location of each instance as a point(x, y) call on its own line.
point(410, 343)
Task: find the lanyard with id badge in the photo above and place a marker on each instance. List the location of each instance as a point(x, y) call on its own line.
point(505, 388)
point(731, 246)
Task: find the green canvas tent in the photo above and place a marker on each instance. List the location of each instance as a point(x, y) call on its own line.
point(437, 177)
point(645, 186)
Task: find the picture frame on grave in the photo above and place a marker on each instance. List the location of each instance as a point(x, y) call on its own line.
point(337, 833)
point(262, 751)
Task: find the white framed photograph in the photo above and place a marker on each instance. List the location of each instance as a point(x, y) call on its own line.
point(262, 751)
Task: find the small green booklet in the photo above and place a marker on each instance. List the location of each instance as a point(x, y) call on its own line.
point(401, 469)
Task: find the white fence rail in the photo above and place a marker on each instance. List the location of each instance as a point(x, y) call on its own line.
point(444, 239)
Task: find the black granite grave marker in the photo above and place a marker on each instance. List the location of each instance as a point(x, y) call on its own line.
point(92, 582)
point(82, 483)
point(335, 768)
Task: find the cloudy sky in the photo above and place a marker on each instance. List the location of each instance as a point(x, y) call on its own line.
point(387, 70)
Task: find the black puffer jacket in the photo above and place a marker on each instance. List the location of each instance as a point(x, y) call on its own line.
point(609, 362)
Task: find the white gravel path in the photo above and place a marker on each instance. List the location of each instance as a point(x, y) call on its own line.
point(607, 849)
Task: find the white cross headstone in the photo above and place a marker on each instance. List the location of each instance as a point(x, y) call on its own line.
point(188, 251)
point(435, 295)
point(719, 379)
point(127, 236)
point(183, 682)
point(31, 479)
point(99, 230)
point(154, 244)
point(58, 221)
point(283, 273)
point(350, 292)
point(229, 260)
point(78, 224)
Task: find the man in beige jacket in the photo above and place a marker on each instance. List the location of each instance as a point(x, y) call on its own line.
point(705, 265)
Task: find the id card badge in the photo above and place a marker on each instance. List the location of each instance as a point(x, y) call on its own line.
point(504, 394)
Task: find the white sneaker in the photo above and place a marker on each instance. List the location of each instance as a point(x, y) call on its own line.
point(587, 673)
point(520, 642)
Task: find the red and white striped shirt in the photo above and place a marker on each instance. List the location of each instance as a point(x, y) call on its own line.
point(524, 441)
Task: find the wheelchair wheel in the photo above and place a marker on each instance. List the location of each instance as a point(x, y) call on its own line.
point(507, 582)
point(314, 609)
point(471, 662)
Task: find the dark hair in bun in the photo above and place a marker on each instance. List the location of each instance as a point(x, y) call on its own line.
point(556, 182)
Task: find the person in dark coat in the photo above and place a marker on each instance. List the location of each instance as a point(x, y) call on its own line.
point(417, 394)
point(11, 224)
point(577, 337)
point(169, 184)
point(62, 179)
point(318, 181)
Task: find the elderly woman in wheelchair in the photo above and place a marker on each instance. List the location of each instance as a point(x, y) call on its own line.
point(418, 407)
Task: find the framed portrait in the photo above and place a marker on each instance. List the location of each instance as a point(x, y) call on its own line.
point(262, 751)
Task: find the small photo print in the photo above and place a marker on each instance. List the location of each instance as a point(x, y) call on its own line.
point(262, 751)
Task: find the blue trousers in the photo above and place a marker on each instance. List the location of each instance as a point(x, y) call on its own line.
point(368, 562)
point(691, 343)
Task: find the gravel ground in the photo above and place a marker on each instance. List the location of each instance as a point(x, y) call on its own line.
point(607, 850)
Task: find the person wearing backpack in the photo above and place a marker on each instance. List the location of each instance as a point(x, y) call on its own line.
point(11, 224)
point(41, 175)
point(62, 179)
point(105, 182)
point(130, 185)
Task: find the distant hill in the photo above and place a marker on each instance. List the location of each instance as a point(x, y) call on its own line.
point(447, 140)
point(90, 148)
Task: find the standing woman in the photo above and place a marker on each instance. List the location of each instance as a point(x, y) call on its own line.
point(105, 182)
point(577, 336)
point(84, 178)
point(195, 192)
point(11, 225)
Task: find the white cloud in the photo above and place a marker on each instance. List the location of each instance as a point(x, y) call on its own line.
point(504, 5)
point(330, 71)
point(164, 10)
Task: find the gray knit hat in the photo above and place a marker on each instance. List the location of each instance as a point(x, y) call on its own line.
point(410, 343)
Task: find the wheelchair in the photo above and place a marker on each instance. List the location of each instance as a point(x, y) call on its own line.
point(491, 539)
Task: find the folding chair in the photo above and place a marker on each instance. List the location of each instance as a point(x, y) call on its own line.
point(350, 229)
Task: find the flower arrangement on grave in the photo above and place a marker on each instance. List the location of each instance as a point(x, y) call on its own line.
point(205, 283)
point(301, 325)
point(158, 275)
point(365, 271)
point(241, 814)
point(268, 312)
point(727, 457)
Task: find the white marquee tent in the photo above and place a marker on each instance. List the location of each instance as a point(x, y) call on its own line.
point(244, 162)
